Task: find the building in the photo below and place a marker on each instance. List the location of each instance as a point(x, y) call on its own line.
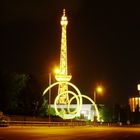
point(86, 113)
point(134, 103)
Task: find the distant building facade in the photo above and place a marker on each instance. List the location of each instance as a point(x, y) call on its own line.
point(134, 104)
point(87, 112)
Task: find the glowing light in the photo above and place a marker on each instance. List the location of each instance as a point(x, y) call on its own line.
point(57, 71)
point(64, 20)
point(99, 89)
point(134, 103)
point(102, 120)
point(83, 112)
point(138, 87)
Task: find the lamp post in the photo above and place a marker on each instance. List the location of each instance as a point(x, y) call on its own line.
point(95, 96)
point(50, 78)
point(98, 89)
point(50, 81)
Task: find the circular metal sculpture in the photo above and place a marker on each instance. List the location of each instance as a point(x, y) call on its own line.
point(64, 111)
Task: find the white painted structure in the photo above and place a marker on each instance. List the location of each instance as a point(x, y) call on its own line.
point(86, 113)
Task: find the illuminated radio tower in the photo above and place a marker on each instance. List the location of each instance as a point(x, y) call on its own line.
point(63, 76)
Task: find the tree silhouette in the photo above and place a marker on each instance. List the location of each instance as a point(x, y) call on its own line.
point(19, 94)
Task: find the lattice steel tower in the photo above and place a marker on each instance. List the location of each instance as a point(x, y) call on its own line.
point(63, 76)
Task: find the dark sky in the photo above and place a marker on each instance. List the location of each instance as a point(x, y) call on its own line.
point(103, 42)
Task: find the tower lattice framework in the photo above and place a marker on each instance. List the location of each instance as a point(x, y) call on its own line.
point(63, 76)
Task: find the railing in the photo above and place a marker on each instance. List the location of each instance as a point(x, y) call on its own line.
point(40, 123)
point(57, 124)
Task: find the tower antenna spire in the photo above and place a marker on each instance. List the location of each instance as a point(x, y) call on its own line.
point(64, 12)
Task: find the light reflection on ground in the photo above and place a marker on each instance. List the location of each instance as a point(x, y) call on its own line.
point(69, 133)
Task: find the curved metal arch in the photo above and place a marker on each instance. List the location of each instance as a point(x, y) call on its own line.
point(72, 85)
point(56, 83)
point(96, 109)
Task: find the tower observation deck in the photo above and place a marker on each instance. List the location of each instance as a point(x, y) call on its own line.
point(62, 75)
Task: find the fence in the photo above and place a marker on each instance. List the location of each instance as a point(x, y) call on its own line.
point(38, 123)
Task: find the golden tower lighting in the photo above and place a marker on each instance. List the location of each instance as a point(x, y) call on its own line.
point(63, 102)
point(62, 75)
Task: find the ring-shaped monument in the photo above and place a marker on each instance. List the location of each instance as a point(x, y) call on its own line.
point(79, 100)
point(67, 114)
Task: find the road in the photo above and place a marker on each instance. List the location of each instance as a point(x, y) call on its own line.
point(69, 133)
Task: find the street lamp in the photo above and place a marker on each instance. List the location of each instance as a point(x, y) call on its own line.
point(56, 71)
point(99, 89)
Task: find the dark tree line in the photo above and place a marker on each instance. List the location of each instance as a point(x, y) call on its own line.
point(20, 94)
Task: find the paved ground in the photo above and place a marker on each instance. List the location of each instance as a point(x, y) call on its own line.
point(69, 133)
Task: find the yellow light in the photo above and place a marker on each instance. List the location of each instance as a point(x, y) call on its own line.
point(138, 87)
point(99, 89)
point(57, 71)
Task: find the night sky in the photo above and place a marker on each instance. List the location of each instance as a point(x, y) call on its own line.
point(103, 42)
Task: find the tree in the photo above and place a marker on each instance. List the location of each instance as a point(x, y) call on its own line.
point(19, 94)
point(43, 111)
point(29, 95)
